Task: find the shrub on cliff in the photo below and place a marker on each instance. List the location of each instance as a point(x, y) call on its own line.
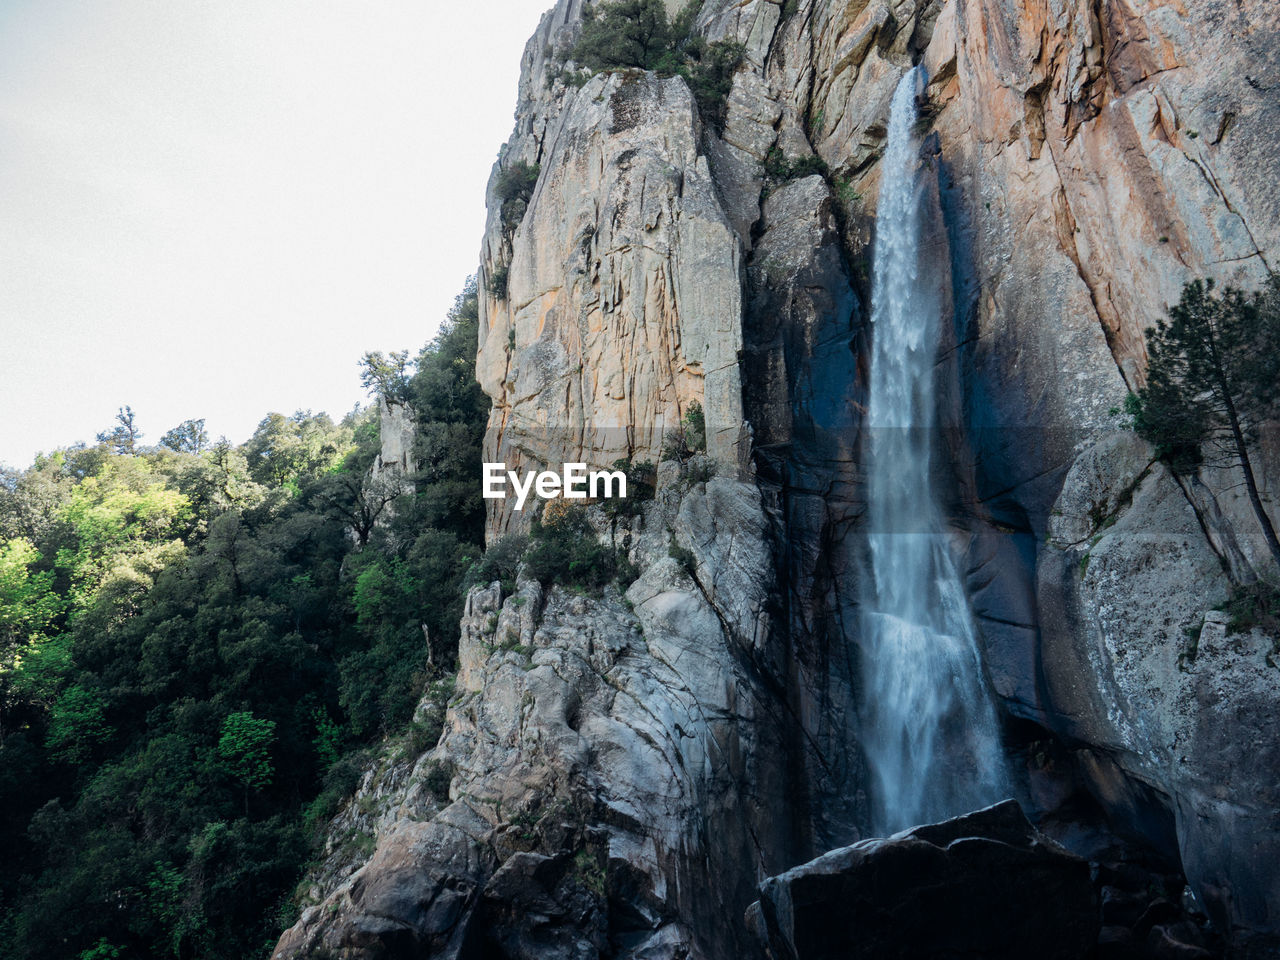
point(688, 437)
point(637, 34)
point(625, 33)
point(563, 548)
point(1213, 377)
point(514, 190)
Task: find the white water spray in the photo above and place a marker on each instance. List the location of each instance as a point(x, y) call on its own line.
point(929, 729)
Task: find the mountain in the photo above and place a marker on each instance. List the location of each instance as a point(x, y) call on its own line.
point(625, 765)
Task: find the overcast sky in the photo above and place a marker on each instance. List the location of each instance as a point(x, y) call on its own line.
point(211, 209)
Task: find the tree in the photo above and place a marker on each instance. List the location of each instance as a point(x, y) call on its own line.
point(187, 437)
point(1213, 377)
point(626, 33)
point(124, 436)
point(637, 34)
point(358, 501)
point(385, 376)
point(245, 749)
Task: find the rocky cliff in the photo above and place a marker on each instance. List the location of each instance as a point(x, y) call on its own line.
point(623, 769)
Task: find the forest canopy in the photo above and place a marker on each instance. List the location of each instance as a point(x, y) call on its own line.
point(196, 639)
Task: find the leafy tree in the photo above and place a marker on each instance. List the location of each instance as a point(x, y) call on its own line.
point(28, 605)
point(142, 593)
point(30, 500)
point(625, 33)
point(29, 610)
point(245, 749)
point(386, 376)
point(637, 34)
point(689, 436)
point(514, 190)
point(187, 437)
point(1213, 377)
point(293, 450)
point(124, 436)
point(77, 725)
point(360, 501)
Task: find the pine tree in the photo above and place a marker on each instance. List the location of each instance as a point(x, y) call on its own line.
point(1213, 377)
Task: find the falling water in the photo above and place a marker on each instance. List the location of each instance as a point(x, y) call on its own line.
point(929, 729)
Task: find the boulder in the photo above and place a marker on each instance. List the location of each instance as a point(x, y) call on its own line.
point(983, 885)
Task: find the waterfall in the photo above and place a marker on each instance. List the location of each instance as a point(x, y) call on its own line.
point(929, 729)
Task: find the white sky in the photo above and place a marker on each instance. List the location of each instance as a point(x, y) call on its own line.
point(212, 208)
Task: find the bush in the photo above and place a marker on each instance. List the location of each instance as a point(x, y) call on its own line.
point(563, 549)
point(781, 170)
point(684, 557)
point(688, 437)
point(500, 562)
point(514, 190)
point(642, 480)
point(636, 34)
point(498, 277)
point(625, 33)
point(1253, 605)
point(711, 79)
point(437, 780)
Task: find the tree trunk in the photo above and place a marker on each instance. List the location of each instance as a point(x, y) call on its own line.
point(1217, 529)
point(1242, 452)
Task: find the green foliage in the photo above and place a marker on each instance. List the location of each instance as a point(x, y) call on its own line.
point(102, 950)
point(636, 34)
point(564, 549)
point(688, 437)
point(196, 652)
point(710, 78)
point(28, 605)
point(624, 33)
point(499, 276)
point(1213, 377)
point(847, 194)
point(296, 450)
point(439, 777)
point(450, 411)
point(76, 725)
point(588, 871)
point(642, 478)
point(124, 436)
point(781, 170)
point(513, 191)
point(328, 738)
point(683, 556)
point(500, 562)
point(189, 436)
point(245, 749)
point(1254, 605)
point(385, 376)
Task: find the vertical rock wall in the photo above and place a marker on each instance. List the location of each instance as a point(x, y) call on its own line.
point(621, 778)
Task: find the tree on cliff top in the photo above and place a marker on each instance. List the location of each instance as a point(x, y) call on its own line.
point(1213, 377)
point(626, 34)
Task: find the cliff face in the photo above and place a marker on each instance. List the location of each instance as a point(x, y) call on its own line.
point(622, 773)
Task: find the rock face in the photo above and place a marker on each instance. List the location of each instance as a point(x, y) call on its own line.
point(601, 758)
point(397, 432)
point(621, 772)
point(982, 885)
